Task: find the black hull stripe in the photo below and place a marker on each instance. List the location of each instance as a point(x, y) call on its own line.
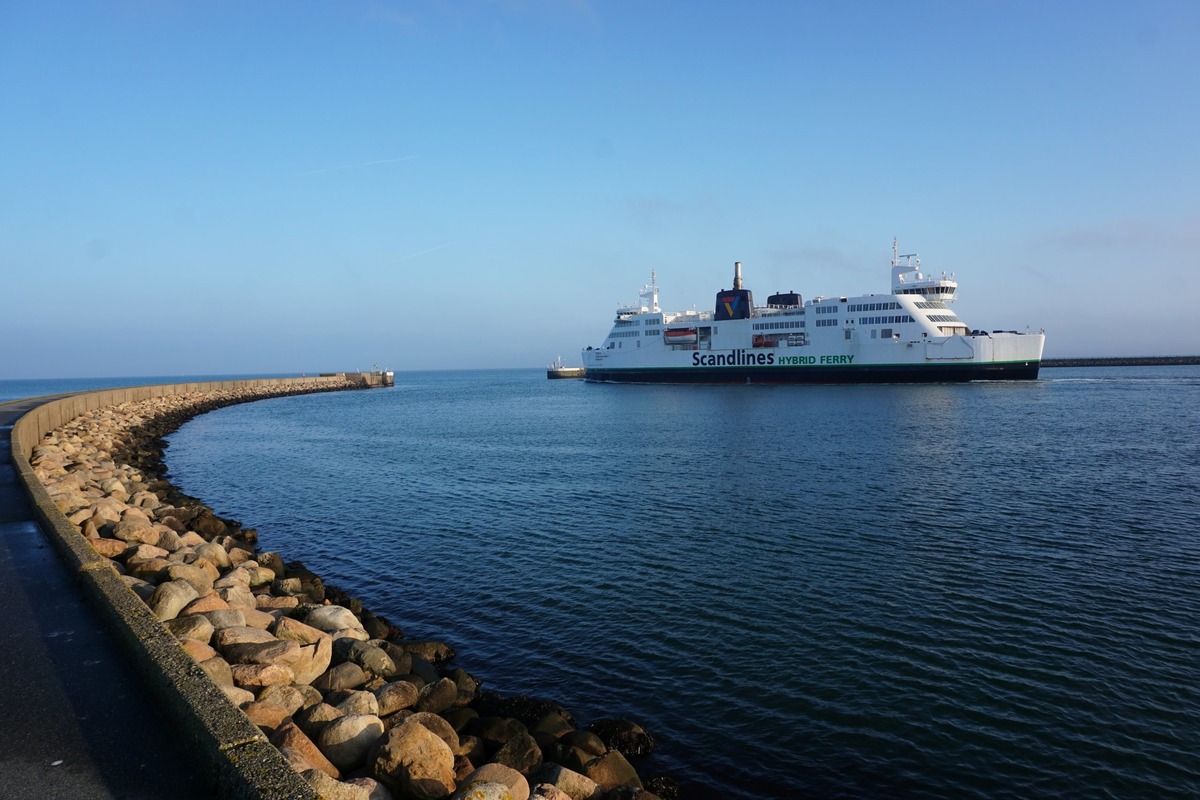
point(876, 373)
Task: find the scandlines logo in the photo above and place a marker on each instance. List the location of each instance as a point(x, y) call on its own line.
point(735, 358)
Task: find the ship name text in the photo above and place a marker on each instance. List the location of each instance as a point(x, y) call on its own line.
point(808, 361)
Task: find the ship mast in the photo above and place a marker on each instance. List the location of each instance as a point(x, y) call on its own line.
point(650, 292)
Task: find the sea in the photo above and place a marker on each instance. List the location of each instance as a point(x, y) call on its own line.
point(983, 590)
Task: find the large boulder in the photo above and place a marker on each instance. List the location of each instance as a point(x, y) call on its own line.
point(571, 783)
point(343, 676)
point(515, 782)
point(611, 770)
point(415, 763)
point(273, 652)
point(170, 598)
point(521, 753)
point(346, 741)
point(371, 658)
point(332, 618)
point(437, 697)
point(313, 662)
point(395, 696)
point(296, 631)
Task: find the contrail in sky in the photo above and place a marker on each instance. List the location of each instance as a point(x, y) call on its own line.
point(423, 252)
point(363, 164)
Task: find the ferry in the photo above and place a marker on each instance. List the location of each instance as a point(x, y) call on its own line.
point(909, 335)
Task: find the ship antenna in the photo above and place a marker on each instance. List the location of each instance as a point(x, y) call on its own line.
point(737, 274)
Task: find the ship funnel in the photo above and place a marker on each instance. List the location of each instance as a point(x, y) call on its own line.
point(737, 274)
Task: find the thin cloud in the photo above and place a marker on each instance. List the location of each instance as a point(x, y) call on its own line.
point(359, 166)
point(1130, 232)
point(421, 253)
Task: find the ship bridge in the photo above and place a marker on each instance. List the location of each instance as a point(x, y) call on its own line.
point(907, 278)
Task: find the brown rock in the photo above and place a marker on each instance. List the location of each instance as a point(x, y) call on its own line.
point(210, 602)
point(316, 717)
point(395, 696)
point(297, 747)
point(109, 548)
point(196, 576)
point(257, 676)
point(414, 763)
point(296, 631)
point(436, 725)
point(135, 532)
point(257, 618)
point(522, 753)
point(218, 670)
point(266, 602)
point(199, 651)
point(329, 789)
point(288, 698)
point(267, 716)
point(238, 596)
point(153, 570)
point(237, 695)
point(313, 662)
point(272, 652)
point(241, 635)
point(612, 769)
point(518, 787)
point(191, 627)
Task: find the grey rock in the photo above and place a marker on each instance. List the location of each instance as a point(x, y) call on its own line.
point(170, 598)
point(437, 697)
point(192, 626)
point(347, 740)
point(395, 696)
point(332, 618)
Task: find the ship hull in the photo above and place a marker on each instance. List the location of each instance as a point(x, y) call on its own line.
point(875, 373)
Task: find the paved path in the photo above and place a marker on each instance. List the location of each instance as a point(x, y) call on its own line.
point(73, 719)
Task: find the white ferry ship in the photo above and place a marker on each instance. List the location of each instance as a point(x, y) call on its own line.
point(910, 335)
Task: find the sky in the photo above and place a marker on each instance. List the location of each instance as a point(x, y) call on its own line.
point(277, 187)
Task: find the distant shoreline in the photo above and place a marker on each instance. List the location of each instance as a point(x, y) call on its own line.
point(1120, 361)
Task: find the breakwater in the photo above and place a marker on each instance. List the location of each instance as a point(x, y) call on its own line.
point(346, 701)
point(1123, 361)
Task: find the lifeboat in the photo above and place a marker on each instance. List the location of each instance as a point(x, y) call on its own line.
point(679, 336)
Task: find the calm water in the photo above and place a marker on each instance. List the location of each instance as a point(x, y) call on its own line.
point(983, 590)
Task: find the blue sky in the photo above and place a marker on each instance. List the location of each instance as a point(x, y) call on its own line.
point(232, 187)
